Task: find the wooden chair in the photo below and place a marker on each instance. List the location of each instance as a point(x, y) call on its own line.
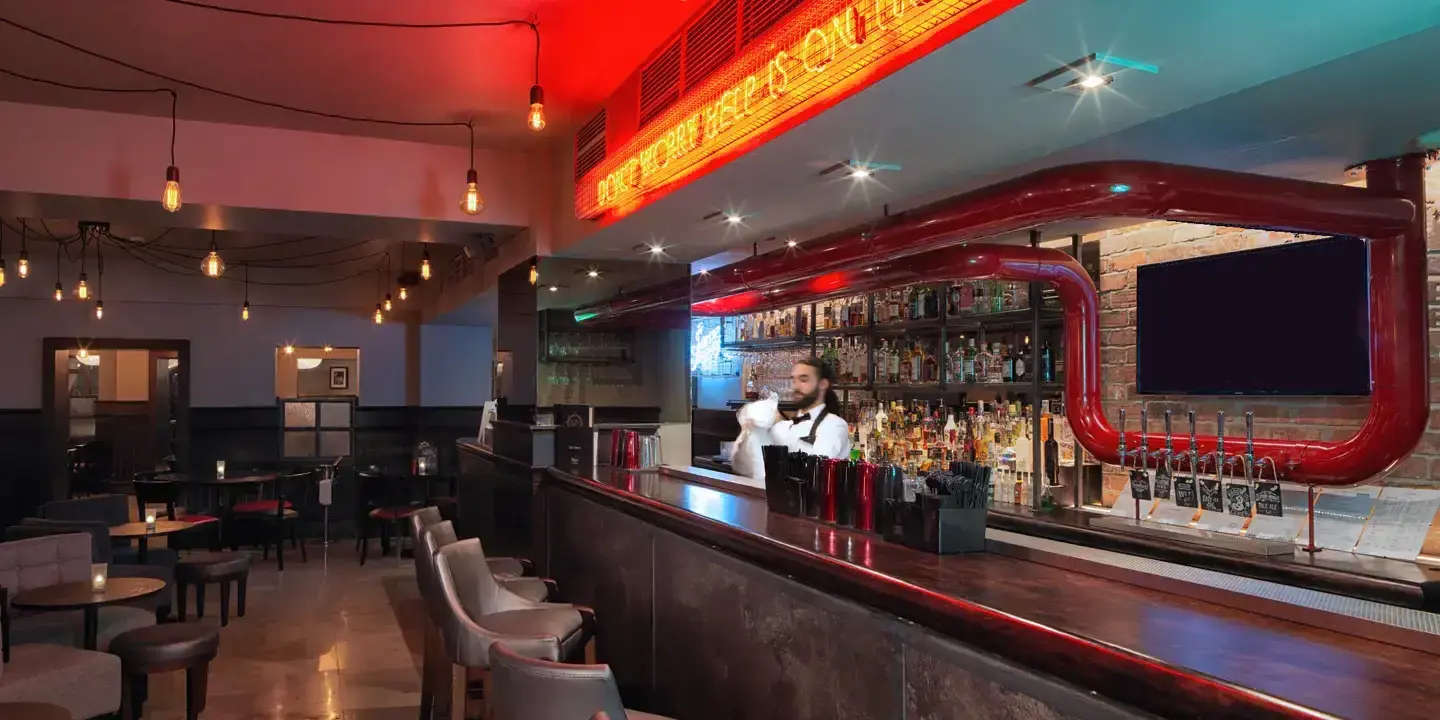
point(384, 502)
point(281, 516)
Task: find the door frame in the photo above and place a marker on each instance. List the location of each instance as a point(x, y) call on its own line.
point(55, 394)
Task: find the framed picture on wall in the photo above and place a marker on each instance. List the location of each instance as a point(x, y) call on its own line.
point(340, 378)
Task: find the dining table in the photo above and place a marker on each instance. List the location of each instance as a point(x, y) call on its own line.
point(82, 595)
point(141, 532)
point(227, 487)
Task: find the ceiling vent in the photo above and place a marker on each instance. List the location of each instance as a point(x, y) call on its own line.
point(761, 15)
point(660, 83)
point(590, 145)
point(710, 42)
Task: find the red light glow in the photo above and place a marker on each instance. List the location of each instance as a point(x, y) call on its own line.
point(824, 52)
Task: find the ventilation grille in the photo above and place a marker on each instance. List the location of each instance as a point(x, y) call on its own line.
point(761, 15)
point(710, 42)
point(590, 145)
point(660, 84)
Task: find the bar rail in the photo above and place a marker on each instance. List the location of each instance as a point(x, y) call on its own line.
point(1119, 673)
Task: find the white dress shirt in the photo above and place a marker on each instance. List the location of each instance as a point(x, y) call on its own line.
point(832, 438)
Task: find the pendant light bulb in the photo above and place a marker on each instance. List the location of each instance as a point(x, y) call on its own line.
point(404, 294)
point(245, 311)
point(99, 309)
point(170, 199)
point(82, 290)
point(82, 353)
point(470, 203)
point(425, 266)
point(379, 314)
point(534, 275)
point(2, 272)
point(59, 292)
point(536, 120)
point(289, 349)
point(388, 305)
point(327, 348)
point(23, 266)
point(212, 265)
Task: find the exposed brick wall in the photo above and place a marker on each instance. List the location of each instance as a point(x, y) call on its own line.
point(1122, 251)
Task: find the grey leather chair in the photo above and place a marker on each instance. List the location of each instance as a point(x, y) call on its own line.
point(460, 589)
point(429, 516)
point(530, 588)
point(524, 688)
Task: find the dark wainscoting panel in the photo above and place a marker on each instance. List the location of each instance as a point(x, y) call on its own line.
point(586, 541)
point(727, 639)
point(23, 482)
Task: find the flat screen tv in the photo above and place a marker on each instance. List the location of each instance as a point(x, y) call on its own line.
point(1285, 320)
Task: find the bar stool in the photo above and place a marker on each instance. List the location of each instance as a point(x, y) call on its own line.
point(428, 516)
point(530, 689)
point(466, 588)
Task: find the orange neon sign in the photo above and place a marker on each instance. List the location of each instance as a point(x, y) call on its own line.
point(823, 52)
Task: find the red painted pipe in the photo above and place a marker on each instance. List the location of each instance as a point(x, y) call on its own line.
point(1124, 189)
point(1388, 213)
point(1400, 389)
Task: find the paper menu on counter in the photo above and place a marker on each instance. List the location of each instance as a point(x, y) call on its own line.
point(1295, 504)
point(1399, 523)
point(1340, 517)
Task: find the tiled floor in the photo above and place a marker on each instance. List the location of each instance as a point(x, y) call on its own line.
point(322, 641)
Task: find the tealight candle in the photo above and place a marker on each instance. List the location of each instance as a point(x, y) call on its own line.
point(150, 520)
point(98, 573)
point(219, 469)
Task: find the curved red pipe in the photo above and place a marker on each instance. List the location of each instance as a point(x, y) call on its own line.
point(1387, 213)
point(1121, 189)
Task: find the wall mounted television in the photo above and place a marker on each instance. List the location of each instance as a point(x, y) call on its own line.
point(1290, 319)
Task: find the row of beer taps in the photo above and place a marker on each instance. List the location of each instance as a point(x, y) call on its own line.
point(1251, 466)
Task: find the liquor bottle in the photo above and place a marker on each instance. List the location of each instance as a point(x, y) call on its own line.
point(752, 386)
point(930, 372)
point(955, 364)
point(982, 366)
point(952, 299)
point(1051, 459)
point(1047, 364)
point(1021, 367)
point(1007, 364)
point(1022, 296)
point(980, 300)
point(997, 296)
point(892, 301)
point(993, 366)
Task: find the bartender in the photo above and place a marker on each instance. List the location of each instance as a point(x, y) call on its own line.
point(815, 429)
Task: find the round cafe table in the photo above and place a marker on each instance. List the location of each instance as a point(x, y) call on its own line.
point(227, 486)
point(80, 596)
point(138, 531)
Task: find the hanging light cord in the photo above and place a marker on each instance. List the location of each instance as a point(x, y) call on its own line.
point(246, 98)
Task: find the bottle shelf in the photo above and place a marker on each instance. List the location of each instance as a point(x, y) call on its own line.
point(1009, 319)
point(844, 331)
point(909, 327)
point(1010, 387)
point(790, 341)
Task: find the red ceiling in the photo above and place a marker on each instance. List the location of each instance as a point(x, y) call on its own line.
point(589, 47)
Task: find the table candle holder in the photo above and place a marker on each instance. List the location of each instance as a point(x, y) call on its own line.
point(219, 469)
point(149, 521)
point(99, 574)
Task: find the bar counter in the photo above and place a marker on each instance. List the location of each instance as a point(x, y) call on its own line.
point(1069, 644)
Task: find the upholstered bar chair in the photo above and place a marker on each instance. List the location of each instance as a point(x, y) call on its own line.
point(549, 631)
point(530, 588)
point(501, 566)
point(524, 688)
point(426, 547)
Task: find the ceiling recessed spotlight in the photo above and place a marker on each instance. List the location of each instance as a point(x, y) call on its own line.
point(1119, 188)
point(733, 218)
point(592, 273)
point(1090, 82)
point(861, 172)
point(657, 249)
point(554, 288)
point(791, 243)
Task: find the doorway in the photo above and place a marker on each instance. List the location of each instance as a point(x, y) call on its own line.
point(113, 407)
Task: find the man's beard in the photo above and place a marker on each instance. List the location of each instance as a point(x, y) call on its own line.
point(806, 401)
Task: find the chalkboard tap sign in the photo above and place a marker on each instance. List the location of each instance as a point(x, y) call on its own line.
point(1162, 481)
point(1212, 499)
point(575, 439)
point(1140, 484)
point(1185, 492)
point(1237, 499)
point(1267, 494)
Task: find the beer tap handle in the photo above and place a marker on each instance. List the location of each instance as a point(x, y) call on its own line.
point(1144, 454)
point(1122, 437)
point(1220, 445)
point(1169, 448)
point(1249, 445)
point(1194, 452)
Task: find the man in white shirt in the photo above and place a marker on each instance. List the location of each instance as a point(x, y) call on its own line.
point(815, 429)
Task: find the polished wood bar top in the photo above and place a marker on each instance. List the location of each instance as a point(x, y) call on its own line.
point(1166, 654)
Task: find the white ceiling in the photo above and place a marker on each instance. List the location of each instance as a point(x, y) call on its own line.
point(1351, 87)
